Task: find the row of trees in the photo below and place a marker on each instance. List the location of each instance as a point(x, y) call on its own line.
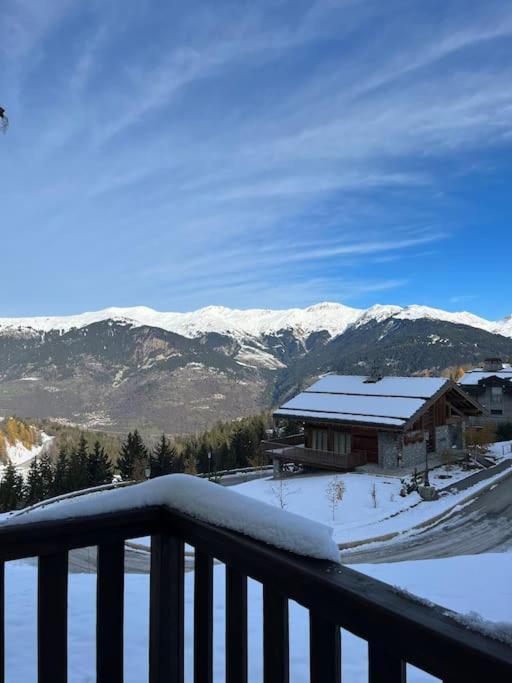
point(137, 462)
point(227, 445)
point(231, 445)
point(74, 469)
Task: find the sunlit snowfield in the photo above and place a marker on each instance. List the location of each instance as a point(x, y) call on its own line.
point(479, 584)
point(358, 515)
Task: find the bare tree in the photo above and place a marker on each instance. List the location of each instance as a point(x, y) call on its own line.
point(334, 491)
point(373, 495)
point(281, 491)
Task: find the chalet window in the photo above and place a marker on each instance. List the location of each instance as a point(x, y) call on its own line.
point(319, 439)
point(341, 442)
point(496, 397)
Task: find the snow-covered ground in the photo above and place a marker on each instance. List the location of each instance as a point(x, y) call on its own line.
point(474, 584)
point(356, 516)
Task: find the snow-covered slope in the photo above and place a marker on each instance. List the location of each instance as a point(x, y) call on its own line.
point(19, 454)
point(333, 318)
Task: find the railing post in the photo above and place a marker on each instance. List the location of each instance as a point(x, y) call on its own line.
point(2, 622)
point(52, 618)
point(236, 626)
point(384, 667)
point(324, 650)
point(203, 618)
point(110, 613)
point(166, 612)
point(275, 637)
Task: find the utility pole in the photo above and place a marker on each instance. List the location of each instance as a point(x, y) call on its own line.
point(426, 481)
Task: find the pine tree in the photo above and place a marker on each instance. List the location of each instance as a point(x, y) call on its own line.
point(11, 489)
point(164, 459)
point(133, 457)
point(99, 466)
point(60, 477)
point(78, 474)
point(34, 488)
point(243, 445)
point(47, 475)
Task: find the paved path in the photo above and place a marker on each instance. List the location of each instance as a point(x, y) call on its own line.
point(478, 476)
point(483, 525)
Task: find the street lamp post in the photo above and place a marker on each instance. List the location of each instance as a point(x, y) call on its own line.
point(209, 465)
point(426, 481)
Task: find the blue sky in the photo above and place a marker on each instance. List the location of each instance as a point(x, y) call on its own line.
point(267, 154)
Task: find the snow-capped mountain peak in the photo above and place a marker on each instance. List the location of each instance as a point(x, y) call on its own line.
point(334, 318)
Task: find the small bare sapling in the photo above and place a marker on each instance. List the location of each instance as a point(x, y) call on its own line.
point(373, 495)
point(280, 491)
point(334, 491)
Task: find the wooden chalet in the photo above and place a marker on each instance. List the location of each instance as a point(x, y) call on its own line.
point(349, 420)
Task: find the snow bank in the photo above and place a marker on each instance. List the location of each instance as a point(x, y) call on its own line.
point(476, 587)
point(207, 502)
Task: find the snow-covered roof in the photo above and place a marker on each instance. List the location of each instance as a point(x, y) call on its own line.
point(474, 376)
point(351, 398)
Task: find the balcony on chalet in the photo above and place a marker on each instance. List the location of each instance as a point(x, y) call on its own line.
point(224, 527)
point(292, 449)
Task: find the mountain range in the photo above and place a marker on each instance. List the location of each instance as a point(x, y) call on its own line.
point(124, 367)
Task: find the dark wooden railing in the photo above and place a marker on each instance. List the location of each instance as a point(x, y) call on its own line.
point(291, 449)
point(397, 629)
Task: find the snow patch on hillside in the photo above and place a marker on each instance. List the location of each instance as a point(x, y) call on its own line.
point(19, 454)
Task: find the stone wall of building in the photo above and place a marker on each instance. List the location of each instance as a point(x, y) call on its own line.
point(414, 453)
point(389, 449)
point(443, 439)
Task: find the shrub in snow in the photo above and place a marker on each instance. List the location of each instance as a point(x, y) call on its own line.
point(409, 485)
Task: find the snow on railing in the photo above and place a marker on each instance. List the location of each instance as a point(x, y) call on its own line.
point(207, 502)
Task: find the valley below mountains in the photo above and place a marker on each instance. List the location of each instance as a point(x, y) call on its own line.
point(179, 372)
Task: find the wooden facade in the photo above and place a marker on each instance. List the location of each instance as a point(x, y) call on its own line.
point(361, 439)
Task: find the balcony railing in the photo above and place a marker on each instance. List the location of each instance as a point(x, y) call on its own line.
point(292, 449)
point(397, 629)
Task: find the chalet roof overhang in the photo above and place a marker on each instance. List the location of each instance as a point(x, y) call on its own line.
point(373, 422)
point(463, 404)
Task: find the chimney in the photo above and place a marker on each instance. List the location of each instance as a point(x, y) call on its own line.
point(375, 374)
point(493, 365)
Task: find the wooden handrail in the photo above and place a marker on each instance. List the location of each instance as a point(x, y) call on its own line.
point(397, 628)
point(313, 456)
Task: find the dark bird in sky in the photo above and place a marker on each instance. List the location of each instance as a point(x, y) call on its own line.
point(4, 121)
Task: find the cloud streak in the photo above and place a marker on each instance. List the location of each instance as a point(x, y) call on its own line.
point(252, 148)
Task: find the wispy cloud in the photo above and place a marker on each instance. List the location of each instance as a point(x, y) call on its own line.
point(244, 152)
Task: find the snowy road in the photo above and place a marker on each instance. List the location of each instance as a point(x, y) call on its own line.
point(483, 525)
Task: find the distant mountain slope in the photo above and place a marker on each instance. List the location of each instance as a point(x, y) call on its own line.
point(178, 372)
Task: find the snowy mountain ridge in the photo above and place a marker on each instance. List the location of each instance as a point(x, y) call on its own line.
point(334, 318)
